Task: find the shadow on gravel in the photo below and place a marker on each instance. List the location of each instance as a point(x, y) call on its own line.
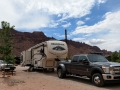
point(110, 86)
point(49, 73)
point(78, 79)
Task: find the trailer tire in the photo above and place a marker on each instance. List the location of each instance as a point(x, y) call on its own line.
point(44, 69)
point(60, 73)
point(53, 70)
point(31, 69)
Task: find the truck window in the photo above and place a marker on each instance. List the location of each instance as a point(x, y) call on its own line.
point(82, 58)
point(75, 59)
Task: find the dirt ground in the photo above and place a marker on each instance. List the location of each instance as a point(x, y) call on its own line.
point(24, 80)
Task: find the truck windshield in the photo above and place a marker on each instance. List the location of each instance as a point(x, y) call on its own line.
point(97, 58)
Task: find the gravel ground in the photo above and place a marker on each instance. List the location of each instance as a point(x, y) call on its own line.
point(24, 80)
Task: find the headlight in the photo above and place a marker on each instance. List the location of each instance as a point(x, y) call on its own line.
point(106, 69)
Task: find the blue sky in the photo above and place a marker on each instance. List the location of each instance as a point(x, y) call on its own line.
point(95, 22)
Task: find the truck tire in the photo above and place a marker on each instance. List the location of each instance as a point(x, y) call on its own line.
point(97, 79)
point(60, 73)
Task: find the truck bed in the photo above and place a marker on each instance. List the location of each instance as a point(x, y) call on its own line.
point(67, 64)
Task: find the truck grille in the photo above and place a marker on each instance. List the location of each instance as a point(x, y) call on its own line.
point(116, 70)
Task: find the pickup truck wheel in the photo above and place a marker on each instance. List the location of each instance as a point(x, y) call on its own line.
point(97, 79)
point(60, 73)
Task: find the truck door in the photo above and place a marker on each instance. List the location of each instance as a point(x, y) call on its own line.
point(74, 64)
point(84, 69)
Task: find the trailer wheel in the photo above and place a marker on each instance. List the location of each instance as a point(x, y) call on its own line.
point(60, 73)
point(53, 70)
point(44, 69)
point(97, 80)
point(31, 69)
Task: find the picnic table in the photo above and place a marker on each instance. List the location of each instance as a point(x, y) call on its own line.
point(9, 71)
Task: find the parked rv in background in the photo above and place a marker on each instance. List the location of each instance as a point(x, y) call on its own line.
point(44, 55)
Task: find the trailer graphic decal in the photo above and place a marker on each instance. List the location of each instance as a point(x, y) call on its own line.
point(58, 48)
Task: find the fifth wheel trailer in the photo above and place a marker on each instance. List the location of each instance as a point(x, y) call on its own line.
point(44, 55)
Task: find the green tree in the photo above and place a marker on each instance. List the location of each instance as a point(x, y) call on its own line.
point(115, 57)
point(6, 42)
point(118, 56)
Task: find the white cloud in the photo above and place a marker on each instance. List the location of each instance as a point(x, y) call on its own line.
point(8, 12)
point(97, 41)
point(66, 25)
point(110, 25)
point(68, 8)
point(80, 23)
point(59, 15)
point(87, 18)
point(53, 24)
point(78, 39)
point(58, 35)
point(22, 14)
point(113, 40)
point(62, 36)
point(85, 29)
point(34, 14)
point(101, 1)
point(87, 35)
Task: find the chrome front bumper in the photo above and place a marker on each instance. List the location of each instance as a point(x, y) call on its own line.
point(111, 77)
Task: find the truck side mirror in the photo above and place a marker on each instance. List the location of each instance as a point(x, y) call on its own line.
point(85, 61)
